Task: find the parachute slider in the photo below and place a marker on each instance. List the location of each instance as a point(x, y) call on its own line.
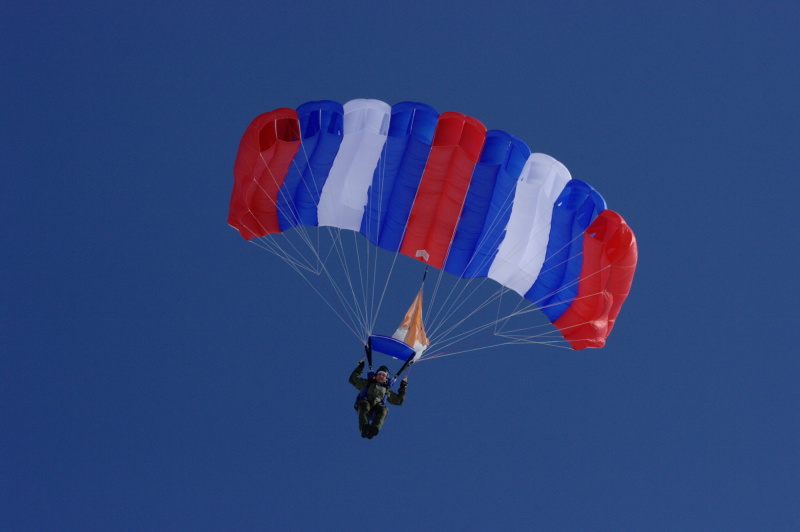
point(391, 346)
point(394, 348)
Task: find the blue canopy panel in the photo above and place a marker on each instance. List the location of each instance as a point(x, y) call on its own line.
point(392, 347)
point(557, 284)
point(400, 198)
point(398, 173)
point(487, 206)
point(322, 128)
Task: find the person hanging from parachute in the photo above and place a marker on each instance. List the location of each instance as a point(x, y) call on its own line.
point(406, 344)
point(441, 189)
point(375, 391)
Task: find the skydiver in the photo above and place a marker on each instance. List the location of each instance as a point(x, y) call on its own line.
point(375, 390)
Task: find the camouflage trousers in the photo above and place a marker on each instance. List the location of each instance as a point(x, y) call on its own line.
point(366, 411)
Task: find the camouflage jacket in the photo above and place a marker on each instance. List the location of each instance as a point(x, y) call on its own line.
point(376, 393)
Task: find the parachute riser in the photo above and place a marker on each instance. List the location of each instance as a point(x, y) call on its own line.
point(408, 363)
point(368, 349)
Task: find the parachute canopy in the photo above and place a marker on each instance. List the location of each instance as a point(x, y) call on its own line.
point(441, 189)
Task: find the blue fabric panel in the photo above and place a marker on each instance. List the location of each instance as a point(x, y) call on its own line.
point(499, 211)
point(398, 174)
point(557, 284)
point(392, 347)
point(502, 158)
point(321, 126)
point(404, 116)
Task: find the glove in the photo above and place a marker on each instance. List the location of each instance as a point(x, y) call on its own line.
point(361, 364)
point(404, 383)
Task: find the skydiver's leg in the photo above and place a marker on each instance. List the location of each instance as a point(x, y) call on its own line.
point(380, 415)
point(363, 417)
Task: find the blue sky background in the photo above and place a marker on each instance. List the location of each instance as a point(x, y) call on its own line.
point(159, 373)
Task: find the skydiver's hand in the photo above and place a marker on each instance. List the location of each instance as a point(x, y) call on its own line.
point(404, 382)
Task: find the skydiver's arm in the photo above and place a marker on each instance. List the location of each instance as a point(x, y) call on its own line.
point(400, 396)
point(355, 377)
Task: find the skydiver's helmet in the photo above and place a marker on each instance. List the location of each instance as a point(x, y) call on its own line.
point(384, 370)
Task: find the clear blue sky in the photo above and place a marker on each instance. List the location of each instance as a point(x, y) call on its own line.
point(159, 373)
